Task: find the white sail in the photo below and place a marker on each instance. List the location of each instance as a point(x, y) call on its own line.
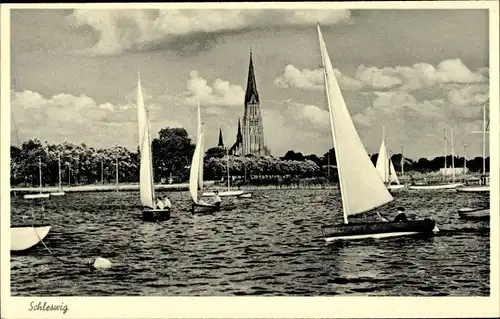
point(200, 171)
point(194, 172)
point(393, 177)
point(385, 167)
point(361, 185)
point(146, 165)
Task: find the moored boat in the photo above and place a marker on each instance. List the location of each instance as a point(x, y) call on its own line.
point(40, 195)
point(60, 192)
point(435, 186)
point(23, 237)
point(357, 174)
point(474, 213)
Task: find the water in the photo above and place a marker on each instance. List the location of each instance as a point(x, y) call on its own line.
point(266, 245)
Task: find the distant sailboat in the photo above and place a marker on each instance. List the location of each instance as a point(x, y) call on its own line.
point(60, 192)
point(229, 192)
point(147, 192)
point(386, 168)
point(40, 195)
point(485, 188)
point(474, 213)
point(196, 173)
point(361, 185)
point(442, 185)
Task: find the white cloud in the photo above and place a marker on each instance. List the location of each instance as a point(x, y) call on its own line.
point(408, 78)
point(220, 94)
point(122, 30)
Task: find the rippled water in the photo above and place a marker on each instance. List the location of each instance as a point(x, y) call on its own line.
point(266, 245)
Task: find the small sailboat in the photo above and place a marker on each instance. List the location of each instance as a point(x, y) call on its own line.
point(451, 185)
point(60, 192)
point(229, 192)
point(146, 181)
point(386, 168)
point(361, 185)
point(196, 174)
point(474, 213)
point(485, 185)
point(40, 195)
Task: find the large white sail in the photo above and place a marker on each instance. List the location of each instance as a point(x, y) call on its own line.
point(194, 172)
point(361, 185)
point(146, 165)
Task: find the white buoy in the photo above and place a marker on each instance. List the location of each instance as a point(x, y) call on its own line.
point(102, 263)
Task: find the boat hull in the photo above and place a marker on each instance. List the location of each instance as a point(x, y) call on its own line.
point(156, 215)
point(395, 187)
point(245, 195)
point(34, 196)
point(225, 193)
point(57, 194)
point(25, 237)
point(356, 231)
point(474, 213)
point(474, 189)
point(434, 187)
point(204, 208)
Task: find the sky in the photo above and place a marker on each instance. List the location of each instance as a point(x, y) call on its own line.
point(416, 72)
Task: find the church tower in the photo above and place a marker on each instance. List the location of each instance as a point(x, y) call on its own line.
point(221, 141)
point(253, 131)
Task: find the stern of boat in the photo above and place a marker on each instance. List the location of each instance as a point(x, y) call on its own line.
point(156, 215)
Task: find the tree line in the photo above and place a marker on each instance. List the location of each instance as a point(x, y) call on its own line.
point(172, 153)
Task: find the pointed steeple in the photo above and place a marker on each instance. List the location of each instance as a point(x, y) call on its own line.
point(251, 96)
point(221, 142)
point(239, 136)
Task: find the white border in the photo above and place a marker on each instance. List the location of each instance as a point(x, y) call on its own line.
point(261, 307)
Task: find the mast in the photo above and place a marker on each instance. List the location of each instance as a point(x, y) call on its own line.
point(328, 157)
point(102, 171)
point(151, 159)
point(452, 156)
point(325, 76)
point(40, 172)
point(484, 138)
point(465, 157)
point(116, 173)
point(228, 183)
point(69, 174)
point(59, 170)
point(445, 151)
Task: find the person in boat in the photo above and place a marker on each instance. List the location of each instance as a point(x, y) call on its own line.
point(217, 199)
point(400, 217)
point(160, 204)
point(166, 202)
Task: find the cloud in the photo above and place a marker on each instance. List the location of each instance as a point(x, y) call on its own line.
point(137, 30)
point(418, 76)
point(220, 94)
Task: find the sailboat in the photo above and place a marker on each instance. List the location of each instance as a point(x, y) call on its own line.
point(386, 168)
point(196, 173)
point(229, 192)
point(451, 185)
point(40, 195)
point(60, 192)
point(485, 187)
point(146, 180)
point(361, 186)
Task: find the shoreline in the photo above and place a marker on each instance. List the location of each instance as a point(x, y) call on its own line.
point(164, 187)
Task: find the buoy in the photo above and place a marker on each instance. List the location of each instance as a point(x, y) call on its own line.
point(101, 263)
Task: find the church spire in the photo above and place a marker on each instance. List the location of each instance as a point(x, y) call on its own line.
point(251, 93)
point(221, 142)
point(239, 136)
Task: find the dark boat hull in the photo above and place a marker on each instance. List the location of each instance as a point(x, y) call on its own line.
point(377, 230)
point(205, 208)
point(474, 213)
point(155, 215)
